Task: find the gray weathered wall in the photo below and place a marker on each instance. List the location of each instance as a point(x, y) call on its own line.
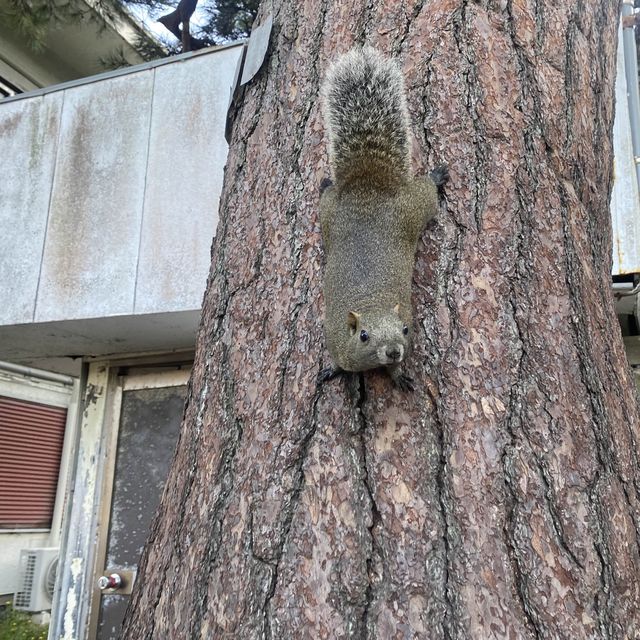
point(110, 190)
point(625, 201)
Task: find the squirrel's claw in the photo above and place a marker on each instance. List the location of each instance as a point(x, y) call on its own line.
point(404, 382)
point(440, 175)
point(329, 373)
point(325, 184)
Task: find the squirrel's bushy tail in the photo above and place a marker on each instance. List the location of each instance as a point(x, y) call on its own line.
point(366, 116)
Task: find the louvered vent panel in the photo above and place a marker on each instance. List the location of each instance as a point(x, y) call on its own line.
point(23, 595)
point(31, 437)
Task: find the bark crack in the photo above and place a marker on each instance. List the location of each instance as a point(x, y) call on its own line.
point(602, 604)
point(408, 23)
point(449, 621)
point(600, 427)
point(289, 509)
point(569, 75)
point(225, 480)
point(449, 261)
point(365, 20)
point(376, 517)
point(292, 331)
point(526, 181)
point(469, 79)
point(450, 258)
point(521, 582)
point(509, 455)
point(296, 245)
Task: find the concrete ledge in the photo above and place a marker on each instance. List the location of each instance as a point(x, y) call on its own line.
point(60, 346)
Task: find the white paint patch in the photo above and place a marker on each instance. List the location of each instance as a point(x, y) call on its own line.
point(72, 600)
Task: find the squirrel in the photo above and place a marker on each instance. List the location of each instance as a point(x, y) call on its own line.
point(371, 215)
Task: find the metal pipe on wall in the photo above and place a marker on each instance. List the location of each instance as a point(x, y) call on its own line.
point(36, 373)
point(631, 72)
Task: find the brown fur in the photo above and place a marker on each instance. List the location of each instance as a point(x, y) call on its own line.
point(372, 217)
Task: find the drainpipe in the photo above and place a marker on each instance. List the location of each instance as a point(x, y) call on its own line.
point(631, 71)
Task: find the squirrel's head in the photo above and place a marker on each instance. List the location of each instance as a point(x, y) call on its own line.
point(377, 339)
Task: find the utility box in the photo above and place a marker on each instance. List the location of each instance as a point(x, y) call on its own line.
point(37, 579)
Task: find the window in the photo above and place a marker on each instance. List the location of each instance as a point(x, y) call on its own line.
point(31, 438)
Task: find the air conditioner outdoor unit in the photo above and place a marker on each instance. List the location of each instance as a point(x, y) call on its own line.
point(38, 576)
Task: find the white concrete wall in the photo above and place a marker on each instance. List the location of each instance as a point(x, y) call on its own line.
point(110, 189)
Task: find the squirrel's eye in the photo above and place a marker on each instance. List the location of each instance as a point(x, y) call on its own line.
point(405, 330)
point(364, 336)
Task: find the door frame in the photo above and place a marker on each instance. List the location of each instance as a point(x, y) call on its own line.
point(130, 380)
point(102, 382)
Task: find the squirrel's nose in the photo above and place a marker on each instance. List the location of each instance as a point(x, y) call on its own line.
point(393, 353)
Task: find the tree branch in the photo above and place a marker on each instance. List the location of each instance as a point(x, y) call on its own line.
point(182, 14)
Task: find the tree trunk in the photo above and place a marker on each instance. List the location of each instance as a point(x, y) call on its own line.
point(500, 499)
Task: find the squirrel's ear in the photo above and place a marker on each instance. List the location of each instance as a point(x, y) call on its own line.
point(353, 320)
point(397, 309)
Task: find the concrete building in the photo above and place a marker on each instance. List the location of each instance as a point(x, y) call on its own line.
point(108, 208)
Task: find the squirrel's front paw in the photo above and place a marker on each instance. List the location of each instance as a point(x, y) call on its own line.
point(440, 175)
point(325, 184)
point(404, 382)
point(329, 373)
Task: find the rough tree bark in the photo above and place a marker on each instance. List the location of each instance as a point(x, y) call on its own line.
point(500, 500)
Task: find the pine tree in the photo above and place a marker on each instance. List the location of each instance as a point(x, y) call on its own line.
point(218, 22)
point(502, 498)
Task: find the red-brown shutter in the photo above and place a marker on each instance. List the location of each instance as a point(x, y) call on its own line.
point(31, 437)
